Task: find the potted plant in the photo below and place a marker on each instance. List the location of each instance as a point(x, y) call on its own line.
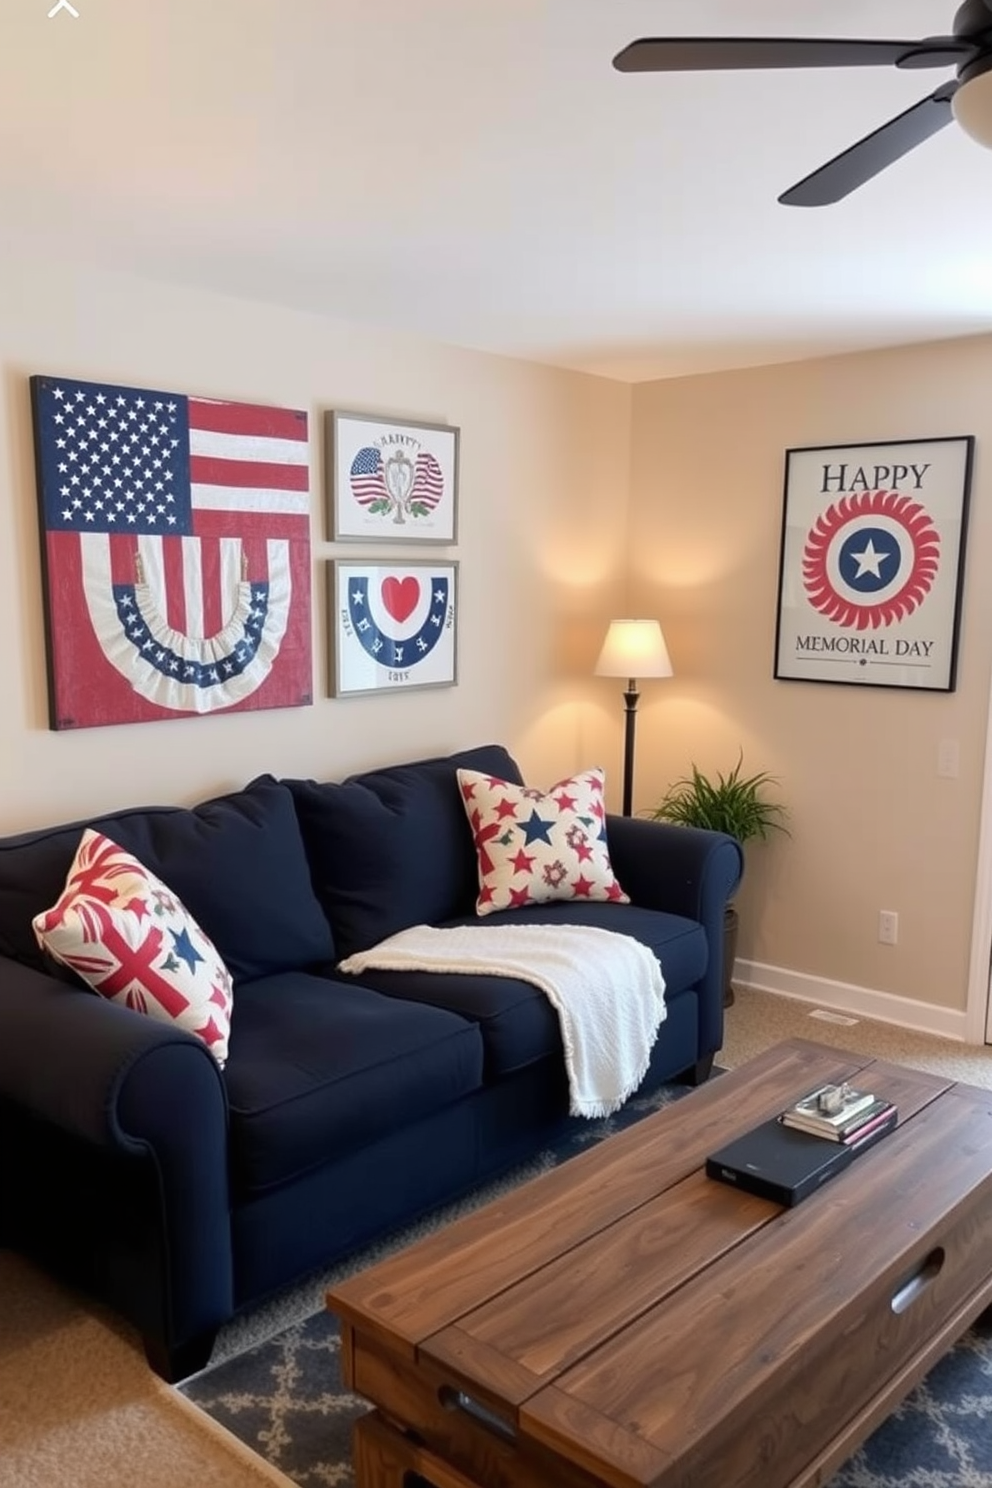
point(732, 803)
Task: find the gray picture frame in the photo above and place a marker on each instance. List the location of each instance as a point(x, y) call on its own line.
point(393, 623)
point(392, 479)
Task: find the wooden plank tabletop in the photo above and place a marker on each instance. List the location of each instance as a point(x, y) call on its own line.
point(435, 1281)
point(643, 1324)
point(787, 1309)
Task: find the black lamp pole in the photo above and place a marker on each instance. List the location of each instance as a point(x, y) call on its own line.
point(630, 644)
point(630, 698)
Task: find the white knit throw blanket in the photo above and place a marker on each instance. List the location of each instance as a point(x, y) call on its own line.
point(607, 990)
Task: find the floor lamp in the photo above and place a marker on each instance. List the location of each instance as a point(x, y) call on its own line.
point(632, 649)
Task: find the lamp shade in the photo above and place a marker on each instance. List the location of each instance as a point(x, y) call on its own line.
point(634, 648)
point(972, 107)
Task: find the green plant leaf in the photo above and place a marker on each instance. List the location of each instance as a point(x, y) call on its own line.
point(732, 803)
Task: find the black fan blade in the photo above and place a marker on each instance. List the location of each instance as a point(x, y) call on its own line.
point(872, 154)
point(715, 53)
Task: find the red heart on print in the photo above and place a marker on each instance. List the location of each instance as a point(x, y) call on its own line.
point(400, 596)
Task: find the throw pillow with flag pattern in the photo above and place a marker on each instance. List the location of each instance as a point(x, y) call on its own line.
point(131, 940)
point(535, 846)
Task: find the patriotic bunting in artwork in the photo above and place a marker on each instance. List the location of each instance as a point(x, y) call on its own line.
point(176, 544)
point(395, 626)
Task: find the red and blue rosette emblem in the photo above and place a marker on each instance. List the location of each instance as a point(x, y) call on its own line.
point(870, 559)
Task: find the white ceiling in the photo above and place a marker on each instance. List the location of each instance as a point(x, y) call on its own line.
point(475, 171)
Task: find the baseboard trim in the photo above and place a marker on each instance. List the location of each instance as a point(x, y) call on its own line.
point(856, 1002)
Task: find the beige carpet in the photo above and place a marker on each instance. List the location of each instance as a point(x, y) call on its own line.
point(759, 1019)
point(79, 1407)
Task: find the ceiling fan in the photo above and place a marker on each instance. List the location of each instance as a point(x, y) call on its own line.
point(967, 98)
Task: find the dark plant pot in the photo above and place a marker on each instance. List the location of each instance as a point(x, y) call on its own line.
point(730, 922)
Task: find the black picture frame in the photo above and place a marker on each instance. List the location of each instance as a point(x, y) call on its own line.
point(871, 562)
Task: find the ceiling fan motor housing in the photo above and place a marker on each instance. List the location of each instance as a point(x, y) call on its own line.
point(982, 63)
point(973, 22)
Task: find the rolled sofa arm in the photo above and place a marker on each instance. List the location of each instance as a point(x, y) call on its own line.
point(685, 871)
point(96, 1099)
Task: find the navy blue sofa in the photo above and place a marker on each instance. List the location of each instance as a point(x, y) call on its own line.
point(178, 1193)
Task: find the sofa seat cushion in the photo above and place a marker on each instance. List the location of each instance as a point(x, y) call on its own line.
point(318, 1067)
point(517, 1022)
point(679, 943)
point(393, 848)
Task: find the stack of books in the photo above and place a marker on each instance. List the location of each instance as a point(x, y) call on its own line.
point(855, 1118)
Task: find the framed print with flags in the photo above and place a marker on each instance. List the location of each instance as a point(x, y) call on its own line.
point(176, 553)
point(394, 624)
point(392, 481)
point(872, 563)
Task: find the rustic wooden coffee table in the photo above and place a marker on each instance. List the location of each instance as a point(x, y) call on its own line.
point(626, 1321)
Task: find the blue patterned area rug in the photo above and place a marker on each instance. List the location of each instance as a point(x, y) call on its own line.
point(284, 1397)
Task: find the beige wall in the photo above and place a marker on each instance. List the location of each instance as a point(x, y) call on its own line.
point(544, 479)
point(581, 499)
point(873, 826)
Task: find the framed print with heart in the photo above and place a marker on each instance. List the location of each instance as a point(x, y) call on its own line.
point(392, 480)
point(394, 627)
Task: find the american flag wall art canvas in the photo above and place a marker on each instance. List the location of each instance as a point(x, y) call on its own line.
point(176, 553)
point(390, 480)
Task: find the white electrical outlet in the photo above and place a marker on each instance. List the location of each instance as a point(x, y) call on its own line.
point(888, 926)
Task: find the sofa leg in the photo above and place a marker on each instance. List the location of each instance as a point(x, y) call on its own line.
point(698, 1073)
point(179, 1363)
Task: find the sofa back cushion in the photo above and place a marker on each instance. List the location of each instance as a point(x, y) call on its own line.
point(393, 848)
point(237, 863)
point(33, 870)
